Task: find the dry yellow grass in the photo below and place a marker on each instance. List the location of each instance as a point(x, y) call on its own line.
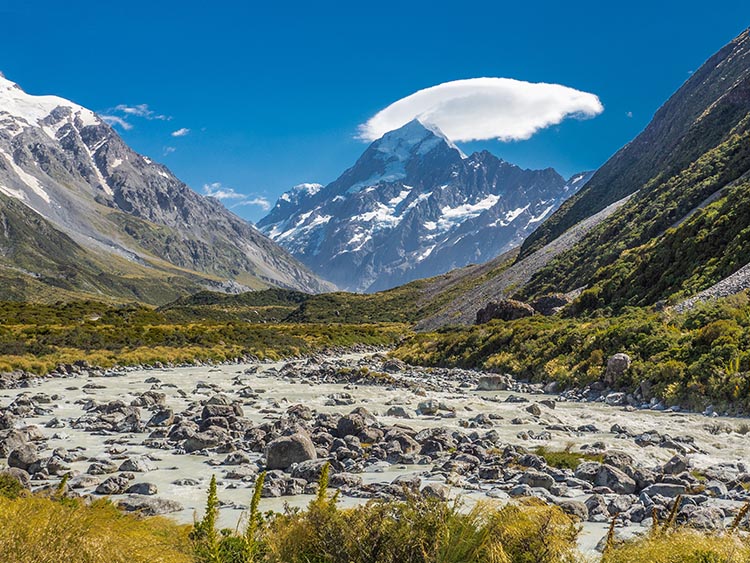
point(40, 530)
point(681, 546)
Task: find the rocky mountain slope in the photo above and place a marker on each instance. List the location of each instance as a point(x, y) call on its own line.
point(413, 206)
point(664, 219)
point(685, 227)
point(131, 215)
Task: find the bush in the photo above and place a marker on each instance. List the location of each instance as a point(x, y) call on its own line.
point(415, 530)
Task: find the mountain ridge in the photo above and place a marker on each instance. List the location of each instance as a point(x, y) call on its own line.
point(66, 164)
point(412, 206)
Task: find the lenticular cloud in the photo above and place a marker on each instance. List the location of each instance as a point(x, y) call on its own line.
point(485, 108)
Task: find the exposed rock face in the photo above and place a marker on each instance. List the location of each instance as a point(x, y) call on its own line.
point(505, 310)
point(287, 450)
point(617, 365)
point(413, 207)
point(67, 165)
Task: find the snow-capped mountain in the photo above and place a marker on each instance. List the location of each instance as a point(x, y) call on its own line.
point(66, 164)
point(413, 206)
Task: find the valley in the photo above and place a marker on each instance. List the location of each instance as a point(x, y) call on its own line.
point(150, 439)
point(438, 356)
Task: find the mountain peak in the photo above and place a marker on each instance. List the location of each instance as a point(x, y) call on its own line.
point(414, 137)
point(33, 109)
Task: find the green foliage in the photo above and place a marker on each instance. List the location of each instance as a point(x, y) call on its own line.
point(565, 459)
point(204, 535)
point(10, 487)
point(38, 337)
point(646, 252)
point(694, 359)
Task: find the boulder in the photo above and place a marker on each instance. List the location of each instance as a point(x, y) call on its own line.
point(112, 486)
point(617, 365)
point(398, 412)
point(664, 489)
point(505, 310)
point(350, 425)
point(148, 506)
point(534, 478)
point(24, 457)
point(676, 465)
point(428, 407)
point(137, 464)
point(142, 489)
point(574, 508)
point(534, 409)
point(493, 383)
point(283, 452)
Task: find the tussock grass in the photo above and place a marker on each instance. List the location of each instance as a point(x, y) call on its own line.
point(34, 529)
point(681, 546)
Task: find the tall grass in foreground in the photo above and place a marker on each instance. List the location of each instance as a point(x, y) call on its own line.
point(681, 545)
point(415, 530)
point(35, 529)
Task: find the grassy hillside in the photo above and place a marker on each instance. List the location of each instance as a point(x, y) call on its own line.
point(694, 359)
point(646, 252)
point(684, 228)
point(42, 264)
point(697, 118)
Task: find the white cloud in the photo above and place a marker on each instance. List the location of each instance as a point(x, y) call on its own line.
point(113, 120)
point(138, 110)
point(181, 132)
point(629, 114)
point(218, 191)
point(141, 110)
point(222, 193)
point(485, 108)
point(169, 150)
point(260, 201)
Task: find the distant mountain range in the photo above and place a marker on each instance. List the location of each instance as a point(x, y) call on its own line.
point(414, 206)
point(122, 225)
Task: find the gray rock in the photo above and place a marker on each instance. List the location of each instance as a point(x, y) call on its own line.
point(493, 383)
point(534, 409)
point(24, 457)
point(574, 508)
point(664, 489)
point(617, 365)
point(436, 490)
point(142, 489)
point(428, 407)
point(148, 506)
point(505, 309)
point(138, 465)
point(398, 412)
point(112, 485)
point(676, 465)
point(287, 450)
point(534, 478)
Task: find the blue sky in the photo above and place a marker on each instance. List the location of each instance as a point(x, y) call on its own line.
point(273, 93)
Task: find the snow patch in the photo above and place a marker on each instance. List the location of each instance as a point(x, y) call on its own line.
point(33, 109)
point(29, 180)
point(454, 215)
